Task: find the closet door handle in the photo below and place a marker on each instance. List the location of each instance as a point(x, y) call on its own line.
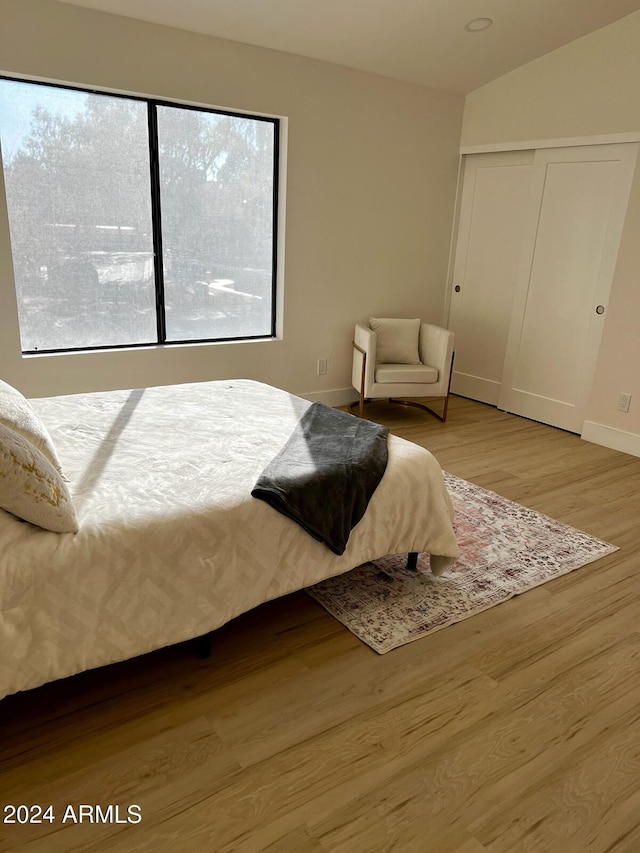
point(600, 309)
point(457, 288)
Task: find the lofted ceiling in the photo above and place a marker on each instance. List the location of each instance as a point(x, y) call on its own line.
point(420, 41)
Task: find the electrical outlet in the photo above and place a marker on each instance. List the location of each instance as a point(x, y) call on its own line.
point(322, 366)
point(624, 402)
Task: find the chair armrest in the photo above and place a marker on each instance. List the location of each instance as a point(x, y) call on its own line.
point(364, 344)
point(436, 349)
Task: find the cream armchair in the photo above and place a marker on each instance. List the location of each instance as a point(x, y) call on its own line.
point(423, 369)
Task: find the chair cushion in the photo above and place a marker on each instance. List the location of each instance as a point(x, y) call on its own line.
point(397, 340)
point(397, 373)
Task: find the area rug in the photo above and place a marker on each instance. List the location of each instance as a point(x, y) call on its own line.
point(505, 549)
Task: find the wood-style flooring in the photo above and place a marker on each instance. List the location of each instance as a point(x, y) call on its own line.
point(515, 730)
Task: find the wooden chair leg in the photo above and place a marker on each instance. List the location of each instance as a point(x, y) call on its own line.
point(412, 561)
point(203, 645)
point(446, 399)
point(363, 374)
point(446, 409)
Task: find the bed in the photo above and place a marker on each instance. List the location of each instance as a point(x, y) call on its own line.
point(171, 545)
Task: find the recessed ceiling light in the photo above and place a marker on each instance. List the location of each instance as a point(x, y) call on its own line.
point(478, 24)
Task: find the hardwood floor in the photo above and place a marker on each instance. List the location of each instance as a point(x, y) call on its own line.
point(515, 730)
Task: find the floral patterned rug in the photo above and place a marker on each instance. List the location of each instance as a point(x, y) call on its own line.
point(505, 549)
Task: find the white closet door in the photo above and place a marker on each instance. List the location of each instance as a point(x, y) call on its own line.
point(495, 198)
point(579, 201)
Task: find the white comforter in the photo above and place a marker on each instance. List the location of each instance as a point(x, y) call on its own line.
point(171, 544)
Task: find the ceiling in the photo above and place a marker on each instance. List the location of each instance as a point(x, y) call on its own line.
point(420, 41)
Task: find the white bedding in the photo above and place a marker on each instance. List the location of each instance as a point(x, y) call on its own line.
point(171, 544)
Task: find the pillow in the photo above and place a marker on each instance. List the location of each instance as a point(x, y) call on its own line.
point(397, 340)
point(31, 488)
point(17, 414)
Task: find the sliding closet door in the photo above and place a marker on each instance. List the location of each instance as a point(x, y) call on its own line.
point(493, 209)
point(579, 201)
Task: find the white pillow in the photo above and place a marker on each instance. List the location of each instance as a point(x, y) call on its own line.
point(17, 414)
point(397, 340)
point(31, 488)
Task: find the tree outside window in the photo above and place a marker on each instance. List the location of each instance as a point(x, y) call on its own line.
point(136, 222)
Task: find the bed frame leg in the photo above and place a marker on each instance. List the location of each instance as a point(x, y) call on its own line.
point(204, 646)
point(412, 561)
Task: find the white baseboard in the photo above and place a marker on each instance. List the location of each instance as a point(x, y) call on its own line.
point(616, 439)
point(476, 388)
point(335, 397)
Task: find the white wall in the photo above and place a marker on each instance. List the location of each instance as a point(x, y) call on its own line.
point(370, 188)
point(589, 87)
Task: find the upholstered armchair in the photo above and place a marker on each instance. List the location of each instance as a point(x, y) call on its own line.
point(402, 358)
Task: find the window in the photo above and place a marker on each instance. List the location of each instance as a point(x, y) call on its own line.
point(135, 222)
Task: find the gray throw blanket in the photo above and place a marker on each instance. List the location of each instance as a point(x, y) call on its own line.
point(325, 475)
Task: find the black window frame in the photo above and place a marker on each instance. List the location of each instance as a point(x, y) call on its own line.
point(156, 216)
